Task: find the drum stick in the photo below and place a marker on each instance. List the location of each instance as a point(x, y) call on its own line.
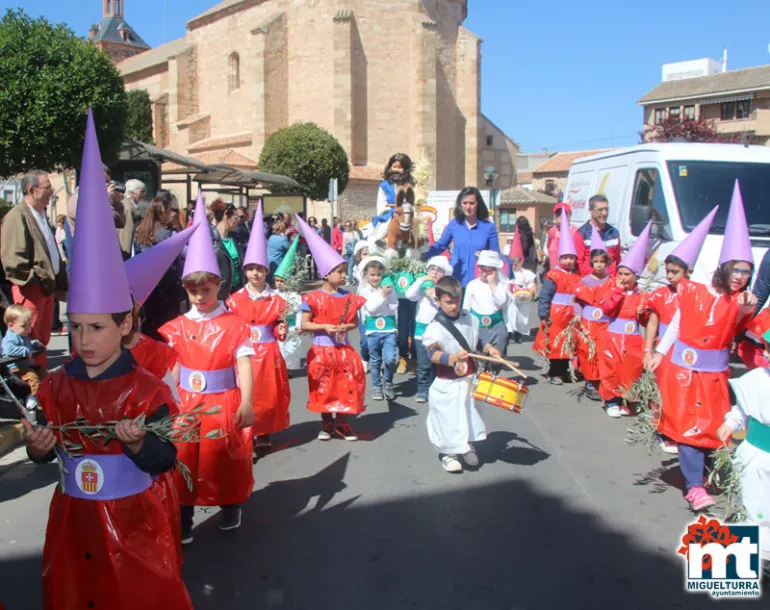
point(507, 363)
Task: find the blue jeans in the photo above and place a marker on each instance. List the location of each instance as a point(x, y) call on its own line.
point(426, 372)
point(383, 350)
point(692, 463)
point(364, 348)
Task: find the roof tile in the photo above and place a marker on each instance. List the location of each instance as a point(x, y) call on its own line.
point(153, 57)
point(561, 162)
point(365, 173)
point(713, 84)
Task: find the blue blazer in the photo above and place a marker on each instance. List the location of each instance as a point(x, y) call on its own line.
point(466, 242)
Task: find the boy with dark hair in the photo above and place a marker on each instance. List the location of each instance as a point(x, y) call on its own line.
point(452, 417)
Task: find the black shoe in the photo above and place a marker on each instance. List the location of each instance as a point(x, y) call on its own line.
point(471, 459)
point(187, 535)
point(231, 518)
point(517, 337)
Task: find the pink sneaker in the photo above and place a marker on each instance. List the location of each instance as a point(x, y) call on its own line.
point(699, 499)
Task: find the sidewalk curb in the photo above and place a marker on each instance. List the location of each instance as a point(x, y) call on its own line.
point(11, 437)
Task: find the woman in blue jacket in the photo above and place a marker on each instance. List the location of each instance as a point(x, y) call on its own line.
point(469, 232)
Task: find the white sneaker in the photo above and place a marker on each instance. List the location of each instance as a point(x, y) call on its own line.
point(451, 463)
point(366, 366)
point(614, 411)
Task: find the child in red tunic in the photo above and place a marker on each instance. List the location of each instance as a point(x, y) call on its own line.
point(621, 355)
point(109, 542)
point(695, 387)
point(262, 309)
point(589, 293)
point(556, 308)
point(213, 348)
point(335, 372)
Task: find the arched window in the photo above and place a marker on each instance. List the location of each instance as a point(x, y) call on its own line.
point(234, 72)
point(117, 7)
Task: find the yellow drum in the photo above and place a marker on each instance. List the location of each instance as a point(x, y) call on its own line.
point(504, 393)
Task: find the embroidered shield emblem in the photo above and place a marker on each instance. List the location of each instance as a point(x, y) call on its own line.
point(630, 327)
point(403, 282)
point(597, 314)
point(461, 368)
point(89, 477)
point(197, 381)
point(256, 334)
point(689, 356)
point(379, 323)
point(486, 320)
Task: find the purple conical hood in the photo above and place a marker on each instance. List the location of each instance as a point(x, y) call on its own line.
point(566, 239)
point(98, 282)
point(737, 244)
point(597, 243)
point(325, 257)
point(691, 245)
point(256, 252)
point(145, 270)
point(636, 257)
point(200, 252)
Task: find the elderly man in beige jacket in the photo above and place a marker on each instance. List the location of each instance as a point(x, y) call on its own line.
point(116, 200)
point(30, 256)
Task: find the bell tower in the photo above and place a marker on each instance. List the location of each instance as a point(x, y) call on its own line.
point(112, 8)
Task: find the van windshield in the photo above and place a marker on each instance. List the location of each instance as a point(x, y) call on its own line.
point(701, 185)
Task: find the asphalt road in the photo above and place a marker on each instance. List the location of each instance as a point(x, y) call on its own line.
point(562, 514)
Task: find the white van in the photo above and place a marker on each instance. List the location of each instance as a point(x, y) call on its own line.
point(676, 185)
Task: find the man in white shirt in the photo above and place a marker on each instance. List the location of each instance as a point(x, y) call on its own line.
point(30, 256)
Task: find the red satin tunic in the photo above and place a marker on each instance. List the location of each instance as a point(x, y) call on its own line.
point(621, 356)
point(591, 294)
point(695, 403)
point(221, 468)
point(335, 374)
point(560, 317)
point(118, 554)
point(272, 393)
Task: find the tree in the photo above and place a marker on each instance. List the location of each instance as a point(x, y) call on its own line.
point(688, 130)
point(50, 78)
point(139, 116)
point(310, 155)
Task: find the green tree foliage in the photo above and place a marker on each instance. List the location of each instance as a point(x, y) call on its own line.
point(139, 119)
point(48, 79)
point(310, 155)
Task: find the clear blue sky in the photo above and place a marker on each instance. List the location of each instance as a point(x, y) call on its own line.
point(556, 74)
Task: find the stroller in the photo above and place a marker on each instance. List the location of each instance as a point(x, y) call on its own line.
point(13, 394)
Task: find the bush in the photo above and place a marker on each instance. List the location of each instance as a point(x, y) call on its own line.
point(50, 78)
point(139, 116)
point(310, 155)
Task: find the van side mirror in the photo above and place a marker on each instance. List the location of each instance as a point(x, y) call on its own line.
point(640, 216)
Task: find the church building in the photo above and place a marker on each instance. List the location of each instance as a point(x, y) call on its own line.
point(383, 76)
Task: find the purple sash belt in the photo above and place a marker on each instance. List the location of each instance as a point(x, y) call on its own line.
point(594, 314)
point(623, 326)
point(324, 340)
point(563, 298)
point(262, 334)
point(103, 477)
point(701, 360)
point(207, 382)
point(662, 328)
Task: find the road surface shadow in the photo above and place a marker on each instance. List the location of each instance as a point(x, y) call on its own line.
point(506, 545)
point(20, 478)
point(509, 447)
point(501, 546)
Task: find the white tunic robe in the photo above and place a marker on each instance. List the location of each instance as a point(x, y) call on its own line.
point(519, 309)
point(452, 417)
point(752, 392)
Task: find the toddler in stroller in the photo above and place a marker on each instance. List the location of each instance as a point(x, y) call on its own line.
point(16, 367)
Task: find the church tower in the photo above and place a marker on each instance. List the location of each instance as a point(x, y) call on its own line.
point(113, 35)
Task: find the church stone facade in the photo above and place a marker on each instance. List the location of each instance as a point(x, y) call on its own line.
point(383, 76)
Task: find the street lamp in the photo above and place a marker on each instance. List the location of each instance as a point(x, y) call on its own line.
point(490, 175)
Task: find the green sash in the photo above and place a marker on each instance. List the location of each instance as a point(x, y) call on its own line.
point(419, 330)
point(380, 324)
point(402, 281)
point(758, 435)
point(488, 321)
